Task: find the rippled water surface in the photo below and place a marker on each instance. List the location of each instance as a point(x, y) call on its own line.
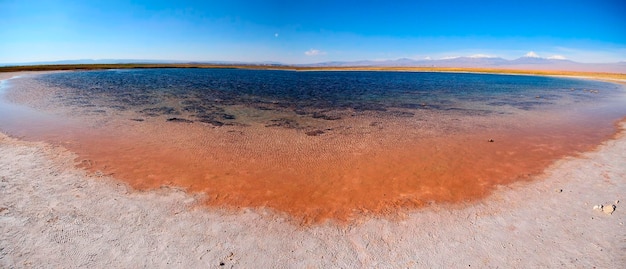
point(202, 94)
point(315, 145)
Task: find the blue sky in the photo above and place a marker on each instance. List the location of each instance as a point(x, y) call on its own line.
point(310, 31)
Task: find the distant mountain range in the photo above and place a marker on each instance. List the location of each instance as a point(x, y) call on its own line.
point(523, 63)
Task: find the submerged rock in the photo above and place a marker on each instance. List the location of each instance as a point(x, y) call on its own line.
point(226, 116)
point(318, 115)
point(212, 122)
point(180, 120)
point(284, 122)
point(160, 110)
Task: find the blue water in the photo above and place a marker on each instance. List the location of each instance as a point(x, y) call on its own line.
point(202, 94)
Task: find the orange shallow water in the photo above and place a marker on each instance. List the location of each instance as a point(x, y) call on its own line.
point(339, 176)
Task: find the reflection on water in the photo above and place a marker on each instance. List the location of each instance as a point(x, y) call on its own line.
point(317, 145)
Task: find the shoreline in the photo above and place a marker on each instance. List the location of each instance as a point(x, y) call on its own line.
point(617, 77)
point(71, 217)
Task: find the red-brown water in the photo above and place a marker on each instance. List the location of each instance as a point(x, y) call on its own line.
point(363, 165)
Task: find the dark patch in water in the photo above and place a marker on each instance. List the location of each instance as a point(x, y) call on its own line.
point(180, 120)
point(161, 110)
point(284, 122)
point(211, 120)
point(118, 107)
point(227, 116)
point(318, 115)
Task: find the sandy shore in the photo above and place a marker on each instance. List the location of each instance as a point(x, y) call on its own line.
point(54, 215)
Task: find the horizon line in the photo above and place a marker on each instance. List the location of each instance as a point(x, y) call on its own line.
point(167, 61)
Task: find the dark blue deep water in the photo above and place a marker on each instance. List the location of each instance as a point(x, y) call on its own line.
point(202, 94)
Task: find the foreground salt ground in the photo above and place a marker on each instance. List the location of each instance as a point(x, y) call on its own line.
point(53, 215)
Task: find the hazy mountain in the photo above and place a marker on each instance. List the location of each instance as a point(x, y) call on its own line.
point(526, 62)
point(468, 62)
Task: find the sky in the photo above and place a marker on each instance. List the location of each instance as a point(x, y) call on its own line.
point(304, 31)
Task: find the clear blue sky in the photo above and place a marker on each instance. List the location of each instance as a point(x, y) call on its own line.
point(310, 31)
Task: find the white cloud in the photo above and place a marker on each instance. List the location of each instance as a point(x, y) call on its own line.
point(450, 57)
point(314, 52)
point(428, 58)
point(557, 57)
point(531, 54)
